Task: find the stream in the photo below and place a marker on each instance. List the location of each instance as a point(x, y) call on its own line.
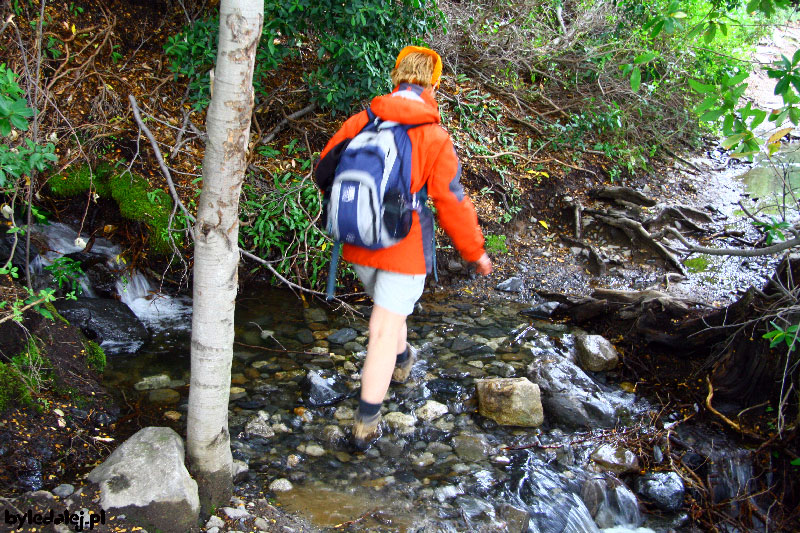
point(439, 466)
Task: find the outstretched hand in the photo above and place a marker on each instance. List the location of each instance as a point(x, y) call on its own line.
point(483, 265)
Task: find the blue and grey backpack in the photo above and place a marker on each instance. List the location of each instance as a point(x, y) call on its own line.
point(369, 202)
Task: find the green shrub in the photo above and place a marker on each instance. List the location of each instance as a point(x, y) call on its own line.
point(10, 386)
point(357, 46)
point(496, 244)
point(277, 224)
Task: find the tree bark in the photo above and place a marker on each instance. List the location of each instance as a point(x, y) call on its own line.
point(216, 254)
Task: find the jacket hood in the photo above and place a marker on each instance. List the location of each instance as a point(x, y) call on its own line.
point(407, 104)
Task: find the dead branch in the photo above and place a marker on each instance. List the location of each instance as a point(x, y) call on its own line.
point(634, 230)
point(625, 194)
point(294, 116)
point(753, 252)
point(731, 423)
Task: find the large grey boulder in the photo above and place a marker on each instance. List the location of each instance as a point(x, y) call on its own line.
point(570, 396)
point(510, 401)
point(596, 353)
point(145, 478)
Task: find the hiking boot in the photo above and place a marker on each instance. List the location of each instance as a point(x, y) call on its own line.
point(366, 430)
point(403, 370)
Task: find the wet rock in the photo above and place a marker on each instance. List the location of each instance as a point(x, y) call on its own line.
point(400, 423)
point(541, 310)
point(439, 448)
point(343, 413)
point(447, 492)
point(510, 401)
point(305, 336)
point(461, 343)
point(616, 459)
point(145, 477)
point(281, 485)
point(354, 347)
point(324, 389)
point(516, 519)
point(514, 284)
point(499, 368)
point(164, 397)
point(315, 314)
point(392, 448)
point(595, 353)
point(664, 489)
point(64, 491)
point(237, 393)
point(431, 410)
point(444, 387)
point(569, 396)
point(110, 322)
point(313, 449)
point(333, 435)
point(239, 379)
point(159, 381)
point(471, 447)
point(342, 336)
point(259, 426)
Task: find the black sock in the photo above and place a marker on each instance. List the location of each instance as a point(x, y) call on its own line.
point(401, 357)
point(367, 409)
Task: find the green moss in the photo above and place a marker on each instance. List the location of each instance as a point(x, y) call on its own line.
point(697, 264)
point(56, 315)
point(23, 376)
point(95, 356)
point(78, 180)
point(150, 207)
point(10, 386)
point(133, 194)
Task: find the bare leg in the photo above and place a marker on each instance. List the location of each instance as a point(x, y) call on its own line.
point(386, 332)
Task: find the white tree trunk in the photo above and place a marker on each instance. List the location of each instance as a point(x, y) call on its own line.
point(216, 254)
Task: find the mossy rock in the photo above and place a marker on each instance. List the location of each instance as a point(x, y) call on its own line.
point(78, 180)
point(136, 202)
point(132, 193)
point(95, 356)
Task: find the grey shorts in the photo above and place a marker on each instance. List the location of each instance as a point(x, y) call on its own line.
point(391, 290)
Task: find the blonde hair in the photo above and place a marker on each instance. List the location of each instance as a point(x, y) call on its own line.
point(414, 68)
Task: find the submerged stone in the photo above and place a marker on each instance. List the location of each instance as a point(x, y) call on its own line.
point(324, 389)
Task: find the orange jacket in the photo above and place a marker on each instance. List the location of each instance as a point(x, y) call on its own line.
point(433, 161)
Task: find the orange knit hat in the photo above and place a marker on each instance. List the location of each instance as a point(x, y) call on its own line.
point(437, 66)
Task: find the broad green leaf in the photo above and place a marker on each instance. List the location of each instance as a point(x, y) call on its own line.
point(743, 155)
point(706, 104)
point(701, 88)
point(753, 6)
point(736, 80)
point(733, 140)
point(636, 79)
point(657, 29)
point(782, 85)
point(723, 28)
point(712, 116)
point(697, 30)
point(773, 148)
point(794, 115)
point(679, 15)
point(758, 118)
point(796, 57)
point(795, 461)
point(644, 58)
point(711, 32)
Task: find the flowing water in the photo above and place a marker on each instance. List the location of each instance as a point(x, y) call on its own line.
point(439, 465)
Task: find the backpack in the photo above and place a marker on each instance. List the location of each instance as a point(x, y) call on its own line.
point(368, 202)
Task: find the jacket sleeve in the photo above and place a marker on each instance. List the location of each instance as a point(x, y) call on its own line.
point(454, 209)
